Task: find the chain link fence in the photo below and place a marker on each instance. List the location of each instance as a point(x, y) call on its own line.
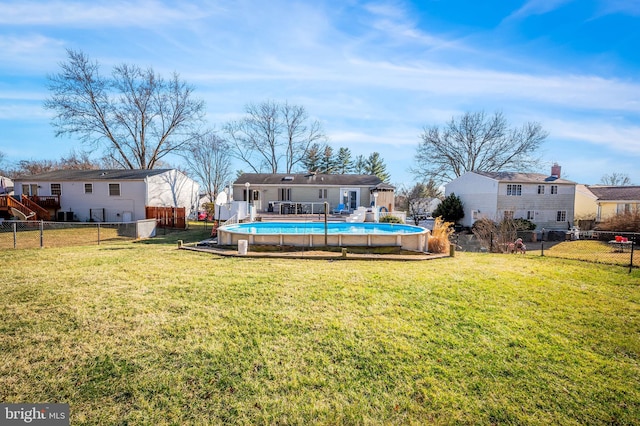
point(614, 248)
point(40, 234)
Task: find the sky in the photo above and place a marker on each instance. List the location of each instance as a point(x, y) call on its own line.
point(373, 73)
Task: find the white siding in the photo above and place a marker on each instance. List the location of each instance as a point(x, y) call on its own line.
point(545, 206)
point(173, 189)
point(167, 189)
point(487, 197)
point(477, 193)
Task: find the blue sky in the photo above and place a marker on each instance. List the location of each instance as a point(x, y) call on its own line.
point(374, 73)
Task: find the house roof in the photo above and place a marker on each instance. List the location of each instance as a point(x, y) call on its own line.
point(523, 177)
point(291, 179)
point(91, 175)
point(615, 193)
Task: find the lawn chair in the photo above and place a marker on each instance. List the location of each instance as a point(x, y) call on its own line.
point(340, 209)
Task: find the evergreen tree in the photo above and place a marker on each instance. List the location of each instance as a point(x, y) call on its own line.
point(344, 164)
point(375, 166)
point(327, 161)
point(450, 209)
point(360, 165)
point(312, 160)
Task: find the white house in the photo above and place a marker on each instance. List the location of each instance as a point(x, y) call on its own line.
point(547, 201)
point(307, 193)
point(109, 195)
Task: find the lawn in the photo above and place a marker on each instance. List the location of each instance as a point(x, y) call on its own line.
point(143, 333)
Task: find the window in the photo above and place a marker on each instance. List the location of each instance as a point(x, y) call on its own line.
point(508, 214)
point(56, 189)
point(284, 194)
point(554, 189)
point(30, 189)
point(561, 216)
point(531, 215)
point(322, 194)
point(623, 208)
point(540, 189)
point(514, 190)
point(114, 189)
point(88, 188)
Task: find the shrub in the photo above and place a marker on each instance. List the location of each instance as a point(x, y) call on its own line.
point(439, 239)
point(524, 224)
point(391, 219)
point(485, 230)
point(627, 222)
point(496, 237)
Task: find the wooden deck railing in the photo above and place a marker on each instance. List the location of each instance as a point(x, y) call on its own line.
point(7, 202)
point(46, 201)
point(40, 211)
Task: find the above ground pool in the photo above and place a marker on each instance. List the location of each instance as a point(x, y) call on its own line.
point(312, 234)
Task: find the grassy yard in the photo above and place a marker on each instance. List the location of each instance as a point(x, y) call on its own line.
point(143, 333)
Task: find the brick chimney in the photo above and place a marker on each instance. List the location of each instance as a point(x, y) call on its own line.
point(555, 170)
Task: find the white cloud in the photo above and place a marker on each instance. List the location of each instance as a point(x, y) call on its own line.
point(23, 112)
point(620, 137)
point(145, 13)
point(34, 51)
point(537, 7)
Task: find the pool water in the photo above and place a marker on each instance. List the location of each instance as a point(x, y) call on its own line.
point(303, 228)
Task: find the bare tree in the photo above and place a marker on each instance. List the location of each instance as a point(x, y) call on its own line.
point(477, 142)
point(616, 179)
point(416, 200)
point(208, 158)
point(78, 161)
point(273, 137)
point(3, 168)
point(74, 161)
point(135, 115)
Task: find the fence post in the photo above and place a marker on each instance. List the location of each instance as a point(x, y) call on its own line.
point(98, 233)
point(635, 240)
point(542, 243)
point(41, 234)
point(15, 235)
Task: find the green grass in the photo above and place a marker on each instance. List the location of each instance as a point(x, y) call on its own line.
point(590, 251)
point(143, 333)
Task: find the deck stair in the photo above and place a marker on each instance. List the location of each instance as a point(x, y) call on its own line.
point(10, 204)
point(41, 213)
point(358, 215)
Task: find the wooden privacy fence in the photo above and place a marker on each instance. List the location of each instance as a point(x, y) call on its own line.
point(168, 217)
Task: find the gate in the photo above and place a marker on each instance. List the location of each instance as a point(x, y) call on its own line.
point(168, 217)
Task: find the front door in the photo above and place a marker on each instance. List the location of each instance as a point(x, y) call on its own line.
point(350, 197)
point(353, 200)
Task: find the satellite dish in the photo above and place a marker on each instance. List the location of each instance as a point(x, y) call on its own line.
point(221, 198)
point(17, 213)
